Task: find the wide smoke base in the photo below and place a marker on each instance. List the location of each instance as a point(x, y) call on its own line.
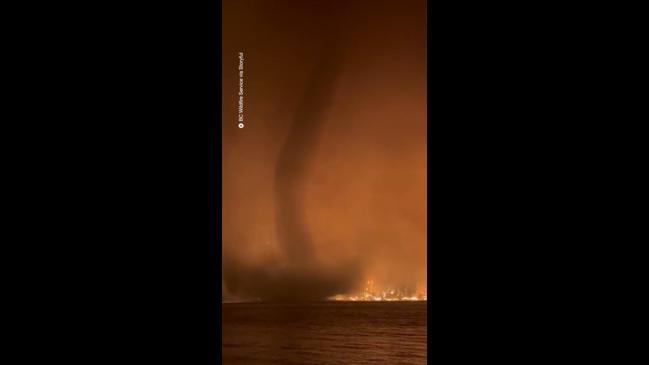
point(287, 285)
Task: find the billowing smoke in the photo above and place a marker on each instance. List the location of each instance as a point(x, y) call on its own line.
point(295, 156)
point(301, 277)
point(324, 189)
point(297, 274)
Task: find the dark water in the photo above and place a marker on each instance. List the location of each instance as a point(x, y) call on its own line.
point(324, 333)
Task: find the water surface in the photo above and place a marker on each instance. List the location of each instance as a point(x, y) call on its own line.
point(324, 333)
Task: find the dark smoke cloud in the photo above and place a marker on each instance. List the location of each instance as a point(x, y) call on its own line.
point(274, 283)
point(324, 188)
point(295, 156)
point(299, 276)
point(302, 277)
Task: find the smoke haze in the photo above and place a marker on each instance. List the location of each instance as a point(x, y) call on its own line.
point(325, 187)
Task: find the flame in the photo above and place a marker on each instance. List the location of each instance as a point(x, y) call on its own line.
point(372, 294)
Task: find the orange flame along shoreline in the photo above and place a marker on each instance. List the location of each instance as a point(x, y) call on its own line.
point(369, 294)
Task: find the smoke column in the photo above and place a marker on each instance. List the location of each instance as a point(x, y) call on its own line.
point(298, 276)
point(294, 159)
point(324, 190)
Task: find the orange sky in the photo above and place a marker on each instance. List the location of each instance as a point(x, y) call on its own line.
point(362, 194)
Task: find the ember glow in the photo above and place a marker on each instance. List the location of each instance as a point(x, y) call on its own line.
point(376, 298)
point(373, 294)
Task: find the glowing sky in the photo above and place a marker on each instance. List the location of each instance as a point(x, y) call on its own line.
point(350, 81)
